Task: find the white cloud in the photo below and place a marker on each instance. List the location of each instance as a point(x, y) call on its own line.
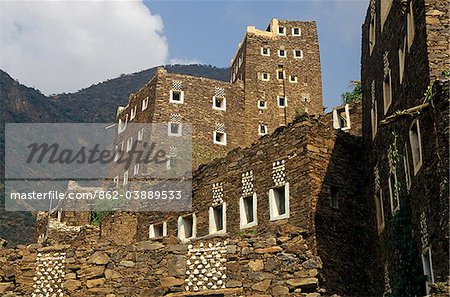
point(62, 46)
point(183, 61)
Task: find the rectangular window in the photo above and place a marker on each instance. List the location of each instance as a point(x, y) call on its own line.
point(281, 31)
point(176, 97)
point(140, 135)
point(265, 51)
point(219, 103)
point(279, 202)
point(280, 74)
point(393, 193)
point(133, 113)
point(298, 54)
point(385, 8)
point(282, 101)
point(158, 230)
point(144, 103)
point(136, 169)
point(187, 228)
point(374, 118)
point(248, 212)
point(293, 79)
point(217, 219)
point(125, 178)
point(282, 53)
point(220, 138)
point(265, 76)
point(372, 33)
point(122, 125)
point(379, 209)
point(334, 195)
point(262, 130)
point(387, 92)
point(116, 181)
point(406, 167)
point(296, 32)
point(401, 59)
point(262, 104)
point(341, 118)
point(129, 144)
point(170, 162)
point(118, 151)
point(175, 129)
point(427, 265)
point(416, 145)
point(410, 27)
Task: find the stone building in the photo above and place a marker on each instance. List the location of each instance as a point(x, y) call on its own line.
point(405, 63)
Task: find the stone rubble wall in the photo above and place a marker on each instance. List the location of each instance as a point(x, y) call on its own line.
point(281, 265)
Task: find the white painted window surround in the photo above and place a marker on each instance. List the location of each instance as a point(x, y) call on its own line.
point(174, 129)
point(176, 97)
point(218, 217)
point(427, 264)
point(219, 103)
point(341, 118)
point(416, 145)
point(187, 227)
point(158, 230)
point(220, 138)
point(246, 209)
point(144, 103)
point(278, 203)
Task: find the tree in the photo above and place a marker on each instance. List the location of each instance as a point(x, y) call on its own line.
point(355, 94)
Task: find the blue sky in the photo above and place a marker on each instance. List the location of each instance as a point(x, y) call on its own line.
point(209, 31)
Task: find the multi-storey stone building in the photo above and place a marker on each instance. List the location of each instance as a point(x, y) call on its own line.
point(405, 57)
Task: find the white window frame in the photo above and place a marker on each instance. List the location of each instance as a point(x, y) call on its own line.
point(129, 143)
point(183, 237)
point(427, 253)
point(144, 103)
point(118, 153)
point(151, 230)
point(243, 223)
point(392, 194)
point(262, 51)
point(223, 106)
point(273, 210)
point(282, 56)
point(299, 31)
point(116, 181)
point(169, 129)
point(295, 54)
point(259, 129)
point(406, 167)
point(410, 26)
point(220, 142)
point(281, 71)
point(402, 59)
point(387, 104)
point(125, 178)
point(336, 119)
point(417, 164)
point(135, 169)
point(133, 113)
point(122, 125)
point(374, 119)
point(283, 29)
point(379, 202)
point(285, 101)
point(293, 81)
point(140, 135)
point(262, 76)
point(181, 101)
point(265, 104)
point(372, 33)
point(169, 162)
point(212, 219)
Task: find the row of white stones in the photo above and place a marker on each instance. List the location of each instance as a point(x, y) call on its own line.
point(50, 274)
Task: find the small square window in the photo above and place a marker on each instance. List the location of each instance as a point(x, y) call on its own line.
point(416, 145)
point(217, 219)
point(281, 31)
point(219, 103)
point(175, 129)
point(298, 54)
point(279, 202)
point(158, 230)
point(220, 138)
point(176, 97)
point(282, 53)
point(248, 212)
point(296, 32)
point(187, 227)
point(265, 76)
point(282, 102)
point(129, 144)
point(144, 103)
point(265, 51)
point(262, 104)
point(293, 78)
point(262, 130)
